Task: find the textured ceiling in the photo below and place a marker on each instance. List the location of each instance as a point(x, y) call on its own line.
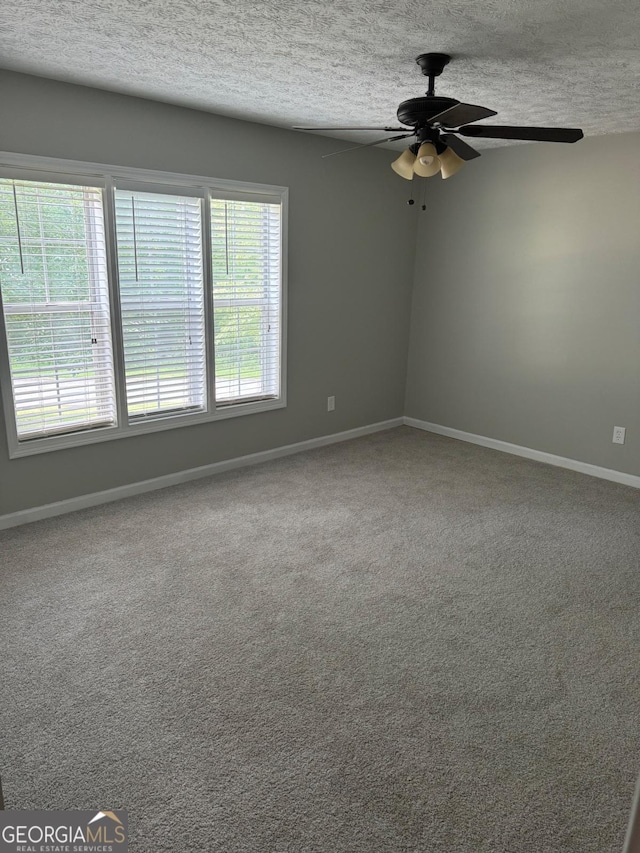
point(553, 62)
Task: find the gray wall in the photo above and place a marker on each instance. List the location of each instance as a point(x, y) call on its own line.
point(526, 308)
point(351, 244)
point(526, 299)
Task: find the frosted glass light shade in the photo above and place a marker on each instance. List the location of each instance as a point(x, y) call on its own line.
point(403, 166)
point(450, 163)
point(427, 161)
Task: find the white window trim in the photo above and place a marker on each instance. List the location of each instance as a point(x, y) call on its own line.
point(103, 175)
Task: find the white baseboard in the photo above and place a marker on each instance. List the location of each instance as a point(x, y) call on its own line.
point(528, 453)
point(25, 516)
point(95, 498)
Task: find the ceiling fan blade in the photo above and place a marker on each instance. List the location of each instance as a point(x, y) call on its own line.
point(462, 114)
point(531, 134)
point(369, 144)
point(459, 146)
point(317, 127)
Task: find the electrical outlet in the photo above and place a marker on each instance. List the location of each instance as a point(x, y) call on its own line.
point(619, 434)
point(331, 404)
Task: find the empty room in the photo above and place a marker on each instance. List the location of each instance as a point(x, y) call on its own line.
point(319, 427)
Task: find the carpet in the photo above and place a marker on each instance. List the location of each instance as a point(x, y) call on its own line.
point(398, 643)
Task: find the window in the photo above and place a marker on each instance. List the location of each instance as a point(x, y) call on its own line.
point(56, 307)
point(159, 240)
point(246, 299)
point(135, 301)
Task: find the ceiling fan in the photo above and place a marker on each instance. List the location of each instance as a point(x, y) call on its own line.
point(438, 123)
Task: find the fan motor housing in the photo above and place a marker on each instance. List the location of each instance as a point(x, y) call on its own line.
point(417, 112)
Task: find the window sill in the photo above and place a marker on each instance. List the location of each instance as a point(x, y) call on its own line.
point(81, 438)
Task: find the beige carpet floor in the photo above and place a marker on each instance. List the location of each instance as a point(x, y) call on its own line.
point(400, 643)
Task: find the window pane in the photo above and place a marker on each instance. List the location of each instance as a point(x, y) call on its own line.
point(245, 238)
point(162, 302)
point(56, 307)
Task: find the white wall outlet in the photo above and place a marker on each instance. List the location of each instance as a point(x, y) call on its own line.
point(619, 434)
point(331, 404)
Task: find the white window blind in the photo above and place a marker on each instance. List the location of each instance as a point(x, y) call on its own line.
point(160, 266)
point(56, 307)
point(247, 299)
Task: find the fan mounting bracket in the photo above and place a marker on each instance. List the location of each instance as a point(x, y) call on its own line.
point(433, 64)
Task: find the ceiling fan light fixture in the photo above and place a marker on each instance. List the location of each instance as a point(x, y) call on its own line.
point(450, 163)
point(438, 123)
point(403, 166)
point(427, 161)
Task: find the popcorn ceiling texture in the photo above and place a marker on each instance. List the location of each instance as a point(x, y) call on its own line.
point(572, 63)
